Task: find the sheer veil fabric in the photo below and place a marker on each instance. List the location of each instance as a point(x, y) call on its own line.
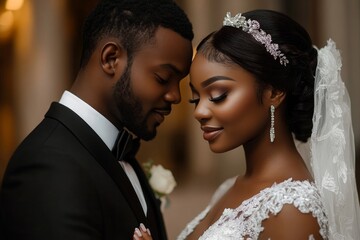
point(331, 147)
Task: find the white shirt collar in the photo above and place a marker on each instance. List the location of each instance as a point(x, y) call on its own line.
point(102, 126)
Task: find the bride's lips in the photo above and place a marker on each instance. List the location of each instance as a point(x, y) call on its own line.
point(210, 132)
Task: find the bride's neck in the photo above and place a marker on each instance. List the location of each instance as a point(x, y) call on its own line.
point(268, 160)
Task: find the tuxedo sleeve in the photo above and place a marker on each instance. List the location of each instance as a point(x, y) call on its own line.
point(48, 195)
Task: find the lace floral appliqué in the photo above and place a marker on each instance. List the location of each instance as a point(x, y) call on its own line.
point(245, 221)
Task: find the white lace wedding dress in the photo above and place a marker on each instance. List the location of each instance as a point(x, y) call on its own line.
point(245, 221)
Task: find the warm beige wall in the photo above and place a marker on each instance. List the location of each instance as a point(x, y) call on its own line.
point(35, 68)
point(40, 62)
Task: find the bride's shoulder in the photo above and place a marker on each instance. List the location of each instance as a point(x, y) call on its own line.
point(294, 203)
point(303, 193)
point(298, 207)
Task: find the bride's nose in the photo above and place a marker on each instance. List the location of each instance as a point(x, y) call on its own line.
point(202, 112)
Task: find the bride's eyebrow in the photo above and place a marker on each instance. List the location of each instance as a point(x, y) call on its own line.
point(211, 80)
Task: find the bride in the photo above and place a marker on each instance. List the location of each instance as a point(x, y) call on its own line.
point(253, 84)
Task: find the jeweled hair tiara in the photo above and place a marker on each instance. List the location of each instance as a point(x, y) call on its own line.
point(253, 27)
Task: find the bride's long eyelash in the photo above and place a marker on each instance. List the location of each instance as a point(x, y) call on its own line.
point(215, 99)
point(219, 98)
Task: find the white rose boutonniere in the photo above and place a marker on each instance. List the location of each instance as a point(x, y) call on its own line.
point(161, 181)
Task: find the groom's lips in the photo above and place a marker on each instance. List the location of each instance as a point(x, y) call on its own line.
point(160, 114)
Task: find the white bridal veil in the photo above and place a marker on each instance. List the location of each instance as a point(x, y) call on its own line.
point(332, 150)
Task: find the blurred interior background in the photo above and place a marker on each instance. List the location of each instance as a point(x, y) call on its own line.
point(40, 44)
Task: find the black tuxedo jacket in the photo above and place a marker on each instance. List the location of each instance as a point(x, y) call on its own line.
point(64, 183)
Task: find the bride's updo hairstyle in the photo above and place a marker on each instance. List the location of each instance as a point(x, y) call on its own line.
point(296, 78)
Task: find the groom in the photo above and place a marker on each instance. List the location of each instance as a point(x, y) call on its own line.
point(65, 181)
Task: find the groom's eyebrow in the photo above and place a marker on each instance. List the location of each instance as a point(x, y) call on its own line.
point(171, 68)
point(211, 80)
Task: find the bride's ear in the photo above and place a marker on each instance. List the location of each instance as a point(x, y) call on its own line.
point(272, 96)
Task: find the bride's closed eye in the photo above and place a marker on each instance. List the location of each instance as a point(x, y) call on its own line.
point(218, 98)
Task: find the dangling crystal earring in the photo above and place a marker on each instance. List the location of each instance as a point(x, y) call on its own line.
point(272, 129)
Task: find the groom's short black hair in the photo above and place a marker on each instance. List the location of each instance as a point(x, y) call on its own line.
point(133, 22)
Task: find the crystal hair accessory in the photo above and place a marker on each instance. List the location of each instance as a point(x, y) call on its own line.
point(253, 27)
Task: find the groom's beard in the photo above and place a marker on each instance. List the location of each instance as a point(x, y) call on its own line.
point(130, 108)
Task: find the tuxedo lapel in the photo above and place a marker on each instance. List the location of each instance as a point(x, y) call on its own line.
point(93, 143)
point(152, 201)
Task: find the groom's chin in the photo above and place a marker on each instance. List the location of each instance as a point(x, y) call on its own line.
point(147, 135)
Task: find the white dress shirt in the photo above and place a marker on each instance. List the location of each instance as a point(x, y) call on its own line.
point(106, 131)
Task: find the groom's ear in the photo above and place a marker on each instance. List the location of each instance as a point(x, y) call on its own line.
point(113, 59)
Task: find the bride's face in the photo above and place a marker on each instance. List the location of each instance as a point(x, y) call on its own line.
point(226, 104)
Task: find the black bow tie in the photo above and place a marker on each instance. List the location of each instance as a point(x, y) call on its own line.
point(125, 147)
